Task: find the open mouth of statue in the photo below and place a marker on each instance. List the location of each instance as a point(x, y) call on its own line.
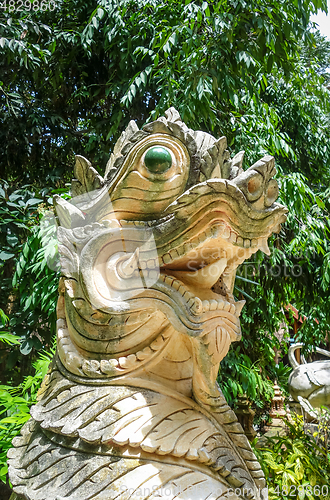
point(187, 258)
point(205, 283)
point(205, 273)
point(199, 269)
point(201, 248)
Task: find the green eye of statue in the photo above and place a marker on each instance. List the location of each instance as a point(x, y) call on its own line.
point(158, 160)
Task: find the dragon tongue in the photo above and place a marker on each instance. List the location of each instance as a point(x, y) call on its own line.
point(205, 277)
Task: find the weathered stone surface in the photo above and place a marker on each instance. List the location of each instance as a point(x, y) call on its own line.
point(130, 408)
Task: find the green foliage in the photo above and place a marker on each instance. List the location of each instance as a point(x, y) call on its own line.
point(17, 215)
point(252, 72)
point(15, 403)
point(72, 78)
point(296, 465)
point(5, 336)
point(36, 284)
point(238, 376)
point(297, 272)
point(249, 368)
point(28, 273)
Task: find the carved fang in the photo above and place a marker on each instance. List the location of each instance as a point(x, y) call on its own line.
point(264, 246)
point(126, 268)
point(238, 307)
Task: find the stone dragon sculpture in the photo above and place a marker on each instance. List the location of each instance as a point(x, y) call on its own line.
point(130, 408)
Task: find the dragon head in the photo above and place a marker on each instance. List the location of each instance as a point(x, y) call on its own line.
point(158, 240)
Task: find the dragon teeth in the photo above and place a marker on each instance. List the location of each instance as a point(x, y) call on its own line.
point(221, 230)
point(263, 246)
point(176, 285)
point(206, 305)
point(233, 237)
point(221, 304)
point(254, 242)
point(157, 343)
point(144, 354)
point(189, 247)
point(167, 258)
point(181, 250)
point(174, 254)
point(218, 305)
point(187, 295)
point(127, 362)
point(191, 302)
point(197, 307)
point(152, 264)
point(213, 305)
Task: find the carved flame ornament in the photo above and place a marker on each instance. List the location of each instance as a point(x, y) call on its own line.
point(130, 408)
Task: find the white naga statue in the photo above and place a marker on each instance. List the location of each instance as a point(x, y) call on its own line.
point(309, 383)
point(130, 408)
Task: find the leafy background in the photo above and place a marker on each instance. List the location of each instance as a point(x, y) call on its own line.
point(70, 81)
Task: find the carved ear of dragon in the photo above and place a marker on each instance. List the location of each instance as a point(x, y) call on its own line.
point(87, 178)
point(146, 313)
